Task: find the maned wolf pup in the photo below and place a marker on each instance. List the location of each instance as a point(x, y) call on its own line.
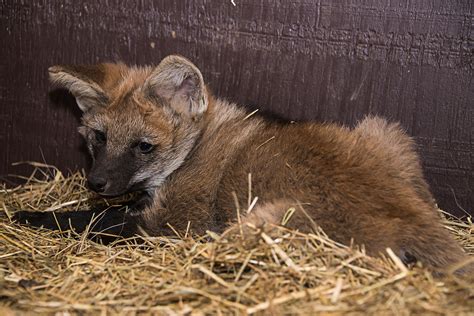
point(159, 130)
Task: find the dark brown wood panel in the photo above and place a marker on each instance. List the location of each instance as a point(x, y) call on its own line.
point(410, 61)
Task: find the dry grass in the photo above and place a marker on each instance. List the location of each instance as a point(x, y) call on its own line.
point(273, 272)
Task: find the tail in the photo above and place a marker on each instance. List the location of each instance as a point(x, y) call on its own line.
point(433, 245)
point(421, 236)
point(399, 152)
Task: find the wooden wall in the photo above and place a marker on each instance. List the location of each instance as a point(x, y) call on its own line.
point(410, 61)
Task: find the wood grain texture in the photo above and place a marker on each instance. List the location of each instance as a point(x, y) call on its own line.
point(410, 61)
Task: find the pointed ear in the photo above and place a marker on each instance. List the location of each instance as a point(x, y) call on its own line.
point(179, 81)
point(88, 83)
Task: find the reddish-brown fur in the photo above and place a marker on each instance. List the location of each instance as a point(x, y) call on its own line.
point(364, 184)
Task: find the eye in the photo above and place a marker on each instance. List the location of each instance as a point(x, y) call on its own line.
point(100, 137)
point(145, 147)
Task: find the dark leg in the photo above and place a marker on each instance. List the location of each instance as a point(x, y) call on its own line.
point(105, 226)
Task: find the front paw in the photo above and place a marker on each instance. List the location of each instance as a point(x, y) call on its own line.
point(37, 219)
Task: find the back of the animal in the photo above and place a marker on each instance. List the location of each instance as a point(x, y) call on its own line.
point(364, 184)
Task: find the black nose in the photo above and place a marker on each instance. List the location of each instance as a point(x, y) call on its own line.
point(97, 184)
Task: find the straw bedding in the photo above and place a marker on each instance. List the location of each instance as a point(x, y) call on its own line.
point(274, 271)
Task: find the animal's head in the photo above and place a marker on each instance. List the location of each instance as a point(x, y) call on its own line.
point(139, 123)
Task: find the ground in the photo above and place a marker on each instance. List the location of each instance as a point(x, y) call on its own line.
point(270, 271)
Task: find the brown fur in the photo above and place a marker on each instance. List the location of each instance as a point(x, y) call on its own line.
point(364, 184)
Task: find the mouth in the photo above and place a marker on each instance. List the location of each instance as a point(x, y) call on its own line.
point(131, 192)
point(110, 193)
point(132, 203)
